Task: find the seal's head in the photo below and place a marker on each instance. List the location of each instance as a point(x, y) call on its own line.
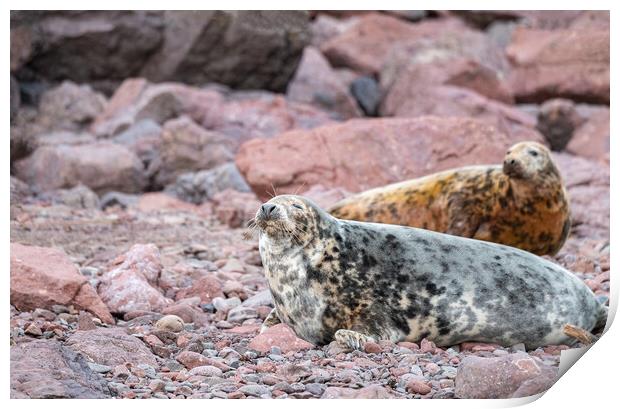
point(290, 218)
point(528, 161)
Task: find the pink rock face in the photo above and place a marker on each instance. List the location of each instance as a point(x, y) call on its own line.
point(132, 285)
point(365, 46)
point(207, 288)
point(413, 100)
point(102, 166)
point(592, 139)
point(587, 183)
point(247, 115)
point(42, 277)
point(365, 153)
point(279, 335)
point(570, 63)
point(510, 376)
point(367, 392)
point(111, 346)
point(316, 83)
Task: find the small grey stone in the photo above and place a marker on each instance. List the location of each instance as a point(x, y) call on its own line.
point(316, 388)
point(148, 370)
point(277, 358)
point(241, 313)
point(117, 388)
point(449, 372)
point(99, 368)
point(251, 378)
point(255, 390)
point(416, 370)
point(262, 298)
point(276, 350)
point(173, 365)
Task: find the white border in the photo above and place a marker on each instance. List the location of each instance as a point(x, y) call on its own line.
point(591, 382)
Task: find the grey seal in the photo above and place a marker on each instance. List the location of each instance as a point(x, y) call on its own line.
point(355, 282)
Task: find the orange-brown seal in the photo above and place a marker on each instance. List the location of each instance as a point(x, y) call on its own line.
point(521, 204)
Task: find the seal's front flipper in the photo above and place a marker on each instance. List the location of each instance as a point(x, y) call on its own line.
point(352, 339)
point(271, 320)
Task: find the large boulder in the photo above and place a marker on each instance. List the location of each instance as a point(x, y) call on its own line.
point(186, 147)
point(70, 106)
point(111, 347)
point(42, 277)
point(242, 49)
point(133, 283)
point(238, 115)
point(45, 369)
point(86, 46)
point(568, 63)
point(413, 99)
point(247, 115)
point(200, 187)
point(365, 46)
point(465, 58)
point(511, 376)
point(102, 166)
point(364, 153)
point(315, 82)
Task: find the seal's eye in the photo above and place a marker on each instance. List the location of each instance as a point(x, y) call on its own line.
point(298, 206)
point(533, 153)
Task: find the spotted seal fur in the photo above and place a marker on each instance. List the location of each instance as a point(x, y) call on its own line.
point(354, 282)
point(521, 203)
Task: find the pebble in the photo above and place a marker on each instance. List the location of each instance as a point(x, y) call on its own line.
point(226, 304)
point(206, 370)
point(316, 388)
point(417, 386)
point(99, 368)
point(34, 330)
point(255, 390)
point(157, 385)
point(170, 323)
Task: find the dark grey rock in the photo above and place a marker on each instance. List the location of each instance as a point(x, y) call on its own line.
point(367, 93)
point(201, 186)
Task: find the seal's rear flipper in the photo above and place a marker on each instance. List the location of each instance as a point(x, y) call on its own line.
point(580, 334)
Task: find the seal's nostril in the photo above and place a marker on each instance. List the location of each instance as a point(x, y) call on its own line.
point(268, 208)
point(512, 161)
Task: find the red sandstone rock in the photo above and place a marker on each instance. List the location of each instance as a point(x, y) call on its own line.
point(279, 335)
point(360, 154)
point(42, 277)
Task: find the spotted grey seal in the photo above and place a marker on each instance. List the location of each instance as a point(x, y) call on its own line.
point(521, 203)
point(354, 282)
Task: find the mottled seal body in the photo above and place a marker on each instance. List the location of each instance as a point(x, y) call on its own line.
point(521, 203)
point(353, 281)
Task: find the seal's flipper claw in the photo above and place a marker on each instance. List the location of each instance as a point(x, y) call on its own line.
point(271, 320)
point(352, 339)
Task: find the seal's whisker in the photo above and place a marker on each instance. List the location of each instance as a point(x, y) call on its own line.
point(299, 188)
point(274, 190)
